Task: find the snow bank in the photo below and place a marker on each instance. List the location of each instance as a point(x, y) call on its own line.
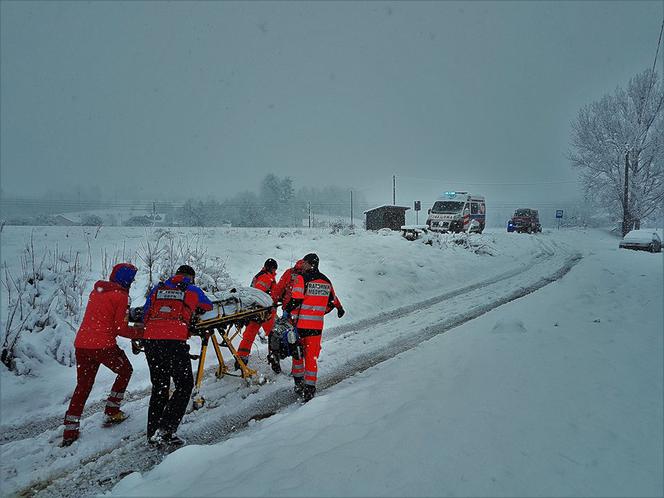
point(556, 394)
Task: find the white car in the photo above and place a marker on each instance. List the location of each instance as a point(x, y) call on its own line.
point(646, 240)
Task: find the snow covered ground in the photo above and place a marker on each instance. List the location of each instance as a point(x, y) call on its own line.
point(558, 393)
point(371, 272)
point(555, 394)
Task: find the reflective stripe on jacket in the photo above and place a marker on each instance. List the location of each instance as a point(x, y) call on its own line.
point(170, 306)
point(283, 289)
point(318, 298)
point(264, 280)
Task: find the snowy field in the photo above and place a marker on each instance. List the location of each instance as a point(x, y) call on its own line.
point(500, 365)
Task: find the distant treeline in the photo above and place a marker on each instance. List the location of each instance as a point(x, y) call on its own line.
point(277, 203)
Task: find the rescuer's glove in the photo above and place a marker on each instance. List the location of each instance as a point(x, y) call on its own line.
point(341, 312)
point(136, 346)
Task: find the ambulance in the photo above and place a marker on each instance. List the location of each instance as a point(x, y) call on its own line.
point(458, 212)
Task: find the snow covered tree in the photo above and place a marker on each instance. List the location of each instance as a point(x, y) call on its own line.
point(244, 210)
point(92, 220)
point(277, 197)
point(623, 131)
point(192, 214)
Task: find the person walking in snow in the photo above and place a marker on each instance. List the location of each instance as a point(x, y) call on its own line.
point(282, 292)
point(106, 317)
point(313, 297)
point(265, 281)
point(167, 315)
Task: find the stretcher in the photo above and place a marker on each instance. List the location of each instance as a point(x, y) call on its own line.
point(231, 313)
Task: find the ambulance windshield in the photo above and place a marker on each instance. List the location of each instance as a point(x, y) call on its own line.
point(447, 207)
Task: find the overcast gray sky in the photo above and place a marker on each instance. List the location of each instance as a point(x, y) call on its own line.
point(191, 98)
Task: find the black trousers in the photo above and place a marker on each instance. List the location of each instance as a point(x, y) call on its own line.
point(168, 360)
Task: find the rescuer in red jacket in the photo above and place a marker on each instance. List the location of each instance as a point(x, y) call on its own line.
point(312, 298)
point(283, 289)
point(265, 281)
point(167, 315)
point(282, 292)
point(106, 316)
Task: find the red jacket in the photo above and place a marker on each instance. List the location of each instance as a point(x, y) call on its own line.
point(170, 305)
point(283, 289)
point(317, 297)
point(264, 280)
point(105, 317)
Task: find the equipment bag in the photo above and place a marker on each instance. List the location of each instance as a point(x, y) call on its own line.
point(285, 340)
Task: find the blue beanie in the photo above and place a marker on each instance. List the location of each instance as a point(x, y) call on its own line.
point(123, 274)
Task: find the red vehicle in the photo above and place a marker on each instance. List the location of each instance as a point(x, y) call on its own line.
point(525, 220)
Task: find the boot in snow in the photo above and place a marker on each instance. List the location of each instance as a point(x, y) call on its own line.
point(67, 441)
point(116, 418)
point(167, 438)
point(237, 363)
point(299, 387)
point(273, 360)
point(308, 393)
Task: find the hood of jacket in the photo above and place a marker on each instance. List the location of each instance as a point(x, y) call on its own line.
point(106, 286)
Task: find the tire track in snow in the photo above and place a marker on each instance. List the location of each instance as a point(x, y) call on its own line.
point(16, 432)
point(100, 472)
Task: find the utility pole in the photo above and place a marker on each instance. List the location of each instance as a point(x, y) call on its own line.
point(309, 209)
point(351, 209)
point(154, 212)
point(394, 190)
point(626, 215)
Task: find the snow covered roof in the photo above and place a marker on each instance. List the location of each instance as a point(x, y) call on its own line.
point(387, 206)
point(64, 221)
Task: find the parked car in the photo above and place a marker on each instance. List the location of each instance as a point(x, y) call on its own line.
point(524, 220)
point(644, 240)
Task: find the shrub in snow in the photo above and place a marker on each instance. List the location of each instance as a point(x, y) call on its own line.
point(337, 226)
point(477, 243)
point(44, 309)
point(163, 251)
point(92, 220)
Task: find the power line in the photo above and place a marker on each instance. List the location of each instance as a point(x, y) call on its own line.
point(518, 184)
point(659, 42)
point(652, 81)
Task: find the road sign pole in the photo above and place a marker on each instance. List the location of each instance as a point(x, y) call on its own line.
point(559, 216)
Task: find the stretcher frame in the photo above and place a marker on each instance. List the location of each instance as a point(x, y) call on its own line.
point(223, 325)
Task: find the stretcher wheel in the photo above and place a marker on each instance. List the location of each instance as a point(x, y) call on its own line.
point(198, 403)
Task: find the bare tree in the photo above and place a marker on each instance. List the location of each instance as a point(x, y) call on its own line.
point(150, 252)
point(620, 137)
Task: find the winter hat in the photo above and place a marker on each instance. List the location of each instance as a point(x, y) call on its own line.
point(186, 270)
point(270, 264)
point(123, 274)
point(312, 259)
point(298, 267)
